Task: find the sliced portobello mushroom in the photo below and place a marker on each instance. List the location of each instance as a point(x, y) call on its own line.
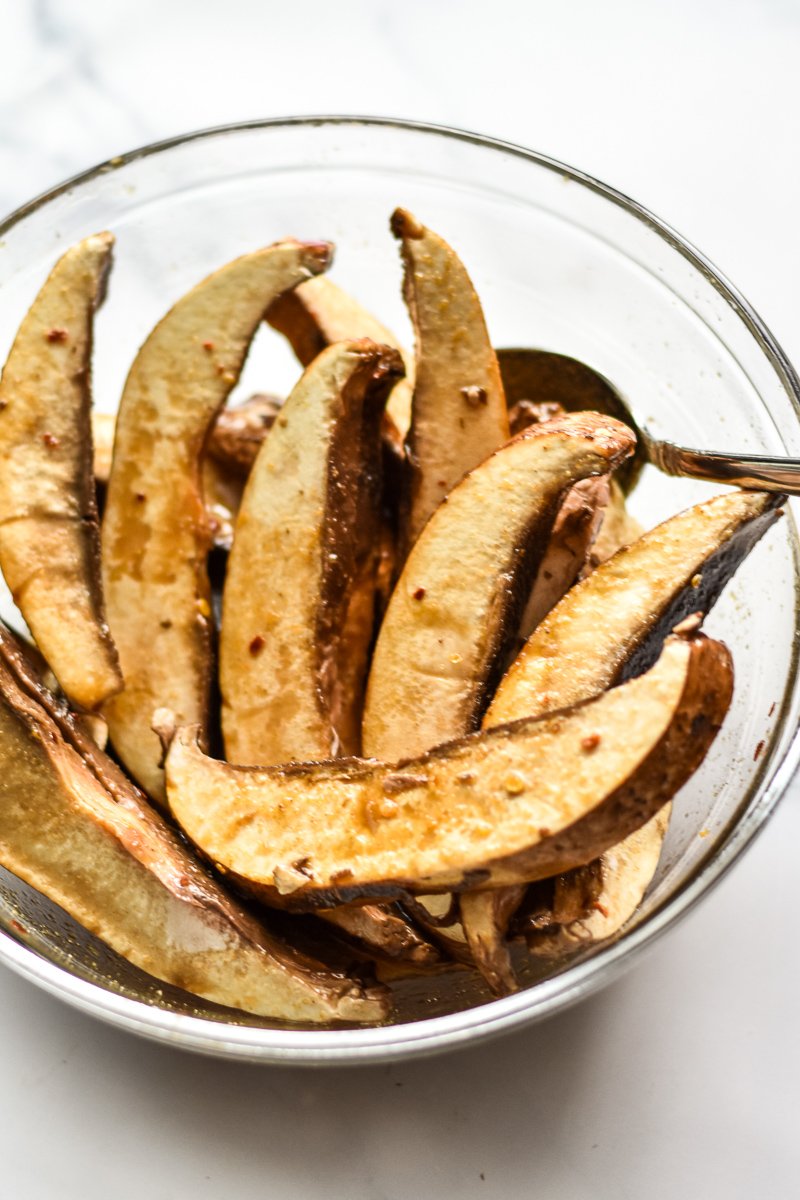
point(611, 625)
point(542, 379)
point(618, 528)
point(458, 413)
point(585, 511)
point(580, 518)
point(73, 827)
point(508, 805)
point(620, 879)
point(49, 530)
point(383, 931)
point(562, 899)
point(300, 589)
point(456, 609)
point(156, 535)
point(319, 313)
point(485, 917)
point(239, 430)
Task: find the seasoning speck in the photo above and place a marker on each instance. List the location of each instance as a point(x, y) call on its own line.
point(393, 784)
point(514, 783)
point(257, 645)
point(50, 440)
point(591, 742)
point(419, 593)
point(341, 876)
point(56, 335)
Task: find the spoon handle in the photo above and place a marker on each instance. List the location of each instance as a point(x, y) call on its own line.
point(758, 471)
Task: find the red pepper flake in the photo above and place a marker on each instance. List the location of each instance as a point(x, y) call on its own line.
point(591, 742)
point(208, 346)
point(759, 749)
point(17, 927)
point(140, 497)
point(56, 335)
point(601, 908)
point(257, 645)
point(419, 593)
point(50, 440)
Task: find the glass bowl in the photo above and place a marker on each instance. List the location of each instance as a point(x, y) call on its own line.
point(561, 262)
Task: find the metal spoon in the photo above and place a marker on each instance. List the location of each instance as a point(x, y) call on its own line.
point(543, 376)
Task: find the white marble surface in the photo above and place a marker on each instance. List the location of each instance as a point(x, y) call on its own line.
point(681, 1080)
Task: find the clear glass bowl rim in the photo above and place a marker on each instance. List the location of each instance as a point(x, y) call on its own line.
point(384, 1044)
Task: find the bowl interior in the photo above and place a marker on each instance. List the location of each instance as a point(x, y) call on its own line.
point(560, 263)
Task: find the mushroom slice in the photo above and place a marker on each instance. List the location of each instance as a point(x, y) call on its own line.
point(455, 610)
point(508, 805)
point(458, 413)
point(581, 516)
point(608, 627)
point(383, 931)
point(589, 508)
point(299, 597)
point(156, 535)
point(611, 625)
point(484, 921)
point(537, 380)
point(49, 536)
point(238, 432)
point(617, 529)
point(73, 827)
point(103, 426)
point(624, 873)
point(319, 313)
